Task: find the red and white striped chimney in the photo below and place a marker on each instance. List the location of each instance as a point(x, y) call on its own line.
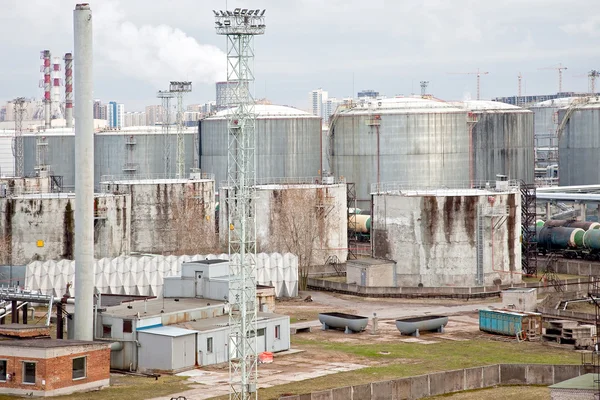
point(69, 89)
point(47, 87)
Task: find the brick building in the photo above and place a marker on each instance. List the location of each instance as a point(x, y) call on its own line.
point(50, 367)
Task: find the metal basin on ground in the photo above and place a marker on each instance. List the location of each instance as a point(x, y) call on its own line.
point(412, 326)
point(348, 322)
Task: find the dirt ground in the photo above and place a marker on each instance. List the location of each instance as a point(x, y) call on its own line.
point(501, 393)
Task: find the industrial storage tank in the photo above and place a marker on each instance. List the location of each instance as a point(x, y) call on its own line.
point(407, 139)
point(288, 143)
point(449, 237)
point(135, 151)
point(545, 120)
point(502, 141)
point(579, 143)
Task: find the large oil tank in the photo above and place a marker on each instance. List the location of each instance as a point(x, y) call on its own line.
point(288, 144)
point(406, 139)
point(503, 141)
point(545, 120)
point(579, 143)
point(130, 152)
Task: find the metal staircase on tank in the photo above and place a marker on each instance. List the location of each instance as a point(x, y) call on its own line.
point(528, 229)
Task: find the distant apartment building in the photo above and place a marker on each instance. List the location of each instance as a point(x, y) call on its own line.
point(329, 108)
point(209, 108)
point(317, 99)
point(100, 110)
point(115, 114)
point(136, 118)
point(154, 115)
point(368, 94)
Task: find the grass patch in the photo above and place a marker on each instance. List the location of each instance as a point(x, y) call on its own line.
point(129, 388)
point(409, 359)
point(500, 393)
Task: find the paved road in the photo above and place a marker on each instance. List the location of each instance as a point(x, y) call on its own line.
point(390, 308)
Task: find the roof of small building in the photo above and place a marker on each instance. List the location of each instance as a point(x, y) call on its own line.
point(50, 343)
point(158, 306)
point(209, 324)
point(171, 331)
point(583, 382)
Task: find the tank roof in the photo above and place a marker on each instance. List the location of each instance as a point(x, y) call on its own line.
point(158, 181)
point(269, 110)
point(132, 130)
point(488, 105)
point(403, 105)
point(562, 102)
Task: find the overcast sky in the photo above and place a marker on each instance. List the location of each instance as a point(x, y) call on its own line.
point(341, 46)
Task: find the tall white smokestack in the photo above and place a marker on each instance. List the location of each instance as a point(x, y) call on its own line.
point(69, 89)
point(47, 85)
point(84, 174)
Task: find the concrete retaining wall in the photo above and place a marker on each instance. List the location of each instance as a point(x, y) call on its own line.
point(418, 387)
point(577, 267)
point(575, 284)
point(579, 316)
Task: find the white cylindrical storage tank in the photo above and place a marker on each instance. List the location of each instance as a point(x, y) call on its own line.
point(288, 143)
point(579, 143)
point(545, 121)
point(407, 139)
point(502, 141)
point(130, 152)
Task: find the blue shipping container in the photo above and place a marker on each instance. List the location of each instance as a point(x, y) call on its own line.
point(502, 322)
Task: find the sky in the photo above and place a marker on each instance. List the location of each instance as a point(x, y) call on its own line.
point(340, 46)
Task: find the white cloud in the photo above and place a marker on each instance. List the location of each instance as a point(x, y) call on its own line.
point(591, 27)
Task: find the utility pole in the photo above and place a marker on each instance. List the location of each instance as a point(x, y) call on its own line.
point(240, 26)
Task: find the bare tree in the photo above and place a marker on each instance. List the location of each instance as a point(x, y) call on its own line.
point(298, 225)
point(194, 227)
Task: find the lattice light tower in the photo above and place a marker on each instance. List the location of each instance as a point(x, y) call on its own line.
point(166, 96)
point(179, 88)
point(240, 27)
point(19, 104)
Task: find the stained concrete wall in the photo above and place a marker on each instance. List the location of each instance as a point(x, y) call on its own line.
point(163, 210)
point(318, 212)
point(20, 186)
point(439, 383)
point(42, 227)
point(466, 292)
point(434, 238)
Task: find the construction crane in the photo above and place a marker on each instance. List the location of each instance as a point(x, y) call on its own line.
point(560, 69)
point(592, 75)
point(478, 73)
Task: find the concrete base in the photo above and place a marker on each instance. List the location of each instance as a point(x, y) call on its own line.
point(85, 387)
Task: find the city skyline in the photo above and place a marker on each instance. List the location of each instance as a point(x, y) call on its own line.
point(388, 47)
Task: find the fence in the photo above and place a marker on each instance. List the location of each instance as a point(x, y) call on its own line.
point(440, 383)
